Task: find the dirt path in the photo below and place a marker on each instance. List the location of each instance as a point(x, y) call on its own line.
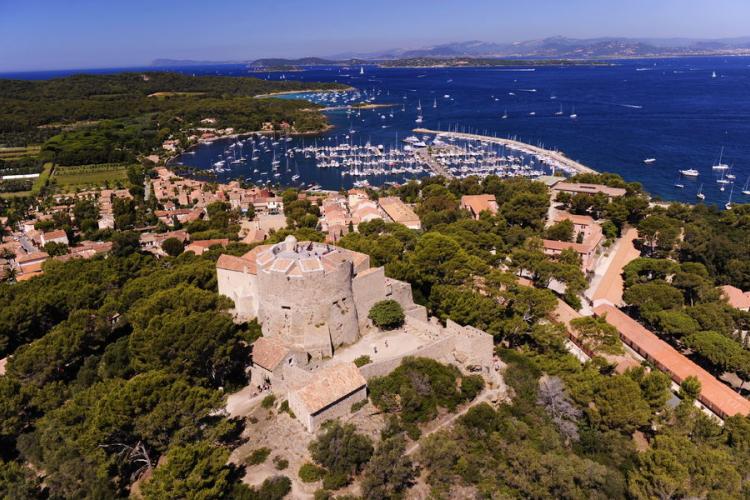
point(482, 398)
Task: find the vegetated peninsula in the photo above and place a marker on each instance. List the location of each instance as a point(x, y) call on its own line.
point(105, 118)
point(470, 62)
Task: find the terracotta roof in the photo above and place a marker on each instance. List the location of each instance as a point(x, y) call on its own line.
point(582, 220)
point(53, 235)
point(563, 245)
point(237, 264)
point(720, 398)
point(478, 203)
point(31, 257)
point(209, 243)
point(268, 353)
point(398, 211)
point(329, 385)
point(736, 297)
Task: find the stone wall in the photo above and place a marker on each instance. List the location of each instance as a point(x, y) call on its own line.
point(314, 312)
point(439, 350)
point(369, 288)
point(242, 288)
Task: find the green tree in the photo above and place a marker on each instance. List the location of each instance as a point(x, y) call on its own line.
point(560, 231)
point(173, 246)
point(390, 472)
point(598, 335)
point(387, 314)
point(341, 450)
point(193, 470)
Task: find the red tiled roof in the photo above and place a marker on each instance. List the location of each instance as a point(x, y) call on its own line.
point(478, 203)
point(329, 385)
point(720, 398)
point(735, 297)
point(268, 353)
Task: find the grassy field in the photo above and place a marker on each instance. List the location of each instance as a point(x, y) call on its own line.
point(18, 153)
point(90, 176)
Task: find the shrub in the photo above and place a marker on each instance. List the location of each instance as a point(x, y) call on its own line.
point(173, 247)
point(335, 480)
point(280, 463)
point(275, 488)
point(363, 360)
point(284, 408)
point(268, 401)
point(258, 456)
point(309, 473)
point(387, 314)
point(340, 449)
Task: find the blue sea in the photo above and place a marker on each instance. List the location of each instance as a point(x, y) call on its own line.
point(672, 110)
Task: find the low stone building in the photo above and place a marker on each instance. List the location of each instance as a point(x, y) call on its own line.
point(329, 395)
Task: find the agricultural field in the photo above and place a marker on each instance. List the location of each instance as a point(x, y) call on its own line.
point(88, 176)
point(19, 152)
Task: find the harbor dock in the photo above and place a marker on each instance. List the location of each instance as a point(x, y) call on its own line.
point(551, 158)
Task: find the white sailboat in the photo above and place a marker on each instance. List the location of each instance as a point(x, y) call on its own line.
point(719, 165)
point(434, 104)
point(573, 115)
point(746, 189)
point(649, 161)
point(559, 113)
point(361, 70)
point(728, 205)
point(713, 74)
point(700, 194)
point(505, 115)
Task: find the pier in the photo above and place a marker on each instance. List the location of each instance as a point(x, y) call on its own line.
point(425, 157)
point(552, 158)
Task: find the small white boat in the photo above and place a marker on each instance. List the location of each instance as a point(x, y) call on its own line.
point(573, 115)
point(713, 74)
point(649, 161)
point(719, 165)
point(746, 188)
point(700, 194)
point(559, 113)
point(690, 172)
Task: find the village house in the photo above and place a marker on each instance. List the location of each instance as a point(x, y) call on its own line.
point(57, 236)
point(478, 203)
point(588, 238)
point(736, 297)
point(202, 246)
point(397, 211)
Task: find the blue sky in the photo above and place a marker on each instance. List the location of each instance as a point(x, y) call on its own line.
point(56, 34)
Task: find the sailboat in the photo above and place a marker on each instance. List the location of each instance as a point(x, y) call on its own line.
point(713, 75)
point(728, 205)
point(700, 194)
point(649, 161)
point(505, 115)
point(361, 70)
point(559, 113)
point(420, 118)
point(678, 184)
point(746, 189)
point(434, 104)
point(573, 115)
point(719, 165)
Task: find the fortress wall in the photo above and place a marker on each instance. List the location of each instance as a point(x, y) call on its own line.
point(473, 347)
point(399, 291)
point(440, 350)
point(368, 288)
point(242, 288)
point(311, 311)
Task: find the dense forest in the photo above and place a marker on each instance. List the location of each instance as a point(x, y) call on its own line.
point(112, 118)
point(119, 365)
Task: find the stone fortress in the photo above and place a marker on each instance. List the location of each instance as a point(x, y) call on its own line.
point(312, 301)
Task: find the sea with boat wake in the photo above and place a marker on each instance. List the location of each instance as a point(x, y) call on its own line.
point(678, 126)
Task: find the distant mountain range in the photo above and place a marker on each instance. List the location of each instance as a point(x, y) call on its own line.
point(545, 48)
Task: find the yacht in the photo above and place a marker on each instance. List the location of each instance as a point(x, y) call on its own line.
point(533, 113)
point(649, 161)
point(690, 172)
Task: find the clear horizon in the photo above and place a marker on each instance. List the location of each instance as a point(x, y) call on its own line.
point(83, 34)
